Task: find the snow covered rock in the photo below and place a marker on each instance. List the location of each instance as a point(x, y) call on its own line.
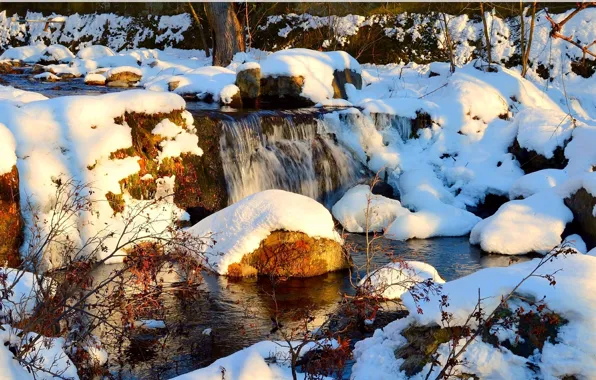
point(396, 278)
point(47, 77)
point(24, 53)
point(351, 210)
point(541, 139)
point(536, 182)
point(534, 224)
point(248, 80)
point(95, 79)
point(273, 232)
point(123, 76)
point(94, 52)
point(56, 54)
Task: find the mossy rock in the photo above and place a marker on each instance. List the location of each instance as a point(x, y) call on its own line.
point(249, 83)
point(11, 226)
point(200, 186)
point(531, 161)
point(291, 254)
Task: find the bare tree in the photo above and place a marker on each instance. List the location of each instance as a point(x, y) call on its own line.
point(200, 27)
point(487, 41)
point(226, 32)
point(526, 47)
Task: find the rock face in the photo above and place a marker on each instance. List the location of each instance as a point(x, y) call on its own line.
point(249, 83)
point(291, 254)
point(582, 203)
point(10, 219)
point(531, 162)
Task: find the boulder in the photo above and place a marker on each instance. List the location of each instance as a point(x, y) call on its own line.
point(531, 161)
point(291, 254)
point(118, 83)
point(95, 80)
point(283, 91)
point(47, 77)
point(582, 203)
point(6, 68)
point(248, 81)
point(10, 219)
point(126, 74)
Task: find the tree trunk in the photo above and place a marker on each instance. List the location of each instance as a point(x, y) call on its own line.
point(200, 27)
point(526, 53)
point(228, 37)
point(449, 44)
point(489, 46)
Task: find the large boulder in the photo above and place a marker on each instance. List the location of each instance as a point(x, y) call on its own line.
point(273, 232)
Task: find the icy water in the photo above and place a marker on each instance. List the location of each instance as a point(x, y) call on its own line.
point(238, 312)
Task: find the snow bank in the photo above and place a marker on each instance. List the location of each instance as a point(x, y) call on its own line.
point(396, 278)
point(316, 67)
point(573, 297)
point(351, 210)
point(264, 361)
point(94, 52)
point(534, 224)
point(239, 229)
point(57, 53)
point(18, 96)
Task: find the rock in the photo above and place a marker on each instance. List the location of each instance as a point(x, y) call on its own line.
point(249, 83)
point(67, 76)
point(11, 233)
point(37, 69)
point(47, 77)
point(291, 254)
point(283, 91)
point(384, 189)
point(340, 78)
point(173, 85)
point(6, 68)
point(127, 74)
point(118, 83)
point(95, 80)
point(582, 203)
point(531, 162)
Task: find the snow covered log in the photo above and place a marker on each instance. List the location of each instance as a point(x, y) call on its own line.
point(273, 232)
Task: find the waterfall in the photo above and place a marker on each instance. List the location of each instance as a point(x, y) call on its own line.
point(269, 150)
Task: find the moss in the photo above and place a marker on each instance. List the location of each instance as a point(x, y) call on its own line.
point(116, 202)
point(11, 226)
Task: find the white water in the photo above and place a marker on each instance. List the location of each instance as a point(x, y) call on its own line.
point(289, 153)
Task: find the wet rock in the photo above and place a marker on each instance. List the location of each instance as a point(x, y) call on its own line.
point(291, 254)
point(341, 78)
point(489, 206)
point(126, 75)
point(117, 83)
point(37, 69)
point(249, 83)
point(283, 91)
point(384, 189)
point(582, 203)
point(47, 77)
point(531, 161)
point(11, 233)
point(6, 67)
point(68, 76)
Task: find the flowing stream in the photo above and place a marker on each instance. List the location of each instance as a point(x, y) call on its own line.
point(264, 150)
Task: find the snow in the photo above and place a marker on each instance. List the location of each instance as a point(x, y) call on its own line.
point(95, 52)
point(57, 53)
point(150, 324)
point(124, 69)
point(396, 278)
point(24, 53)
point(316, 67)
point(534, 224)
point(96, 78)
point(228, 92)
point(47, 76)
point(239, 229)
point(18, 96)
point(572, 297)
point(536, 182)
point(576, 242)
point(8, 158)
point(351, 210)
point(265, 360)
point(543, 130)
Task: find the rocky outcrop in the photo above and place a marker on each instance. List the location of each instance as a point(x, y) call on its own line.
point(531, 161)
point(291, 254)
point(10, 218)
point(582, 203)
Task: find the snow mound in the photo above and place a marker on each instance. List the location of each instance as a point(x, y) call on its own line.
point(24, 53)
point(239, 229)
point(316, 67)
point(576, 242)
point(534, 224)
point(543, 130)
point(351, 210)
point(396, 278)
point(57, 53)
point(536, 182)
point(95, 52)
point(18, 96)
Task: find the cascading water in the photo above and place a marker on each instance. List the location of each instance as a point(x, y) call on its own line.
point(268, 150)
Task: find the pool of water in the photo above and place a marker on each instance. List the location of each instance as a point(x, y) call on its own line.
point(239, 311)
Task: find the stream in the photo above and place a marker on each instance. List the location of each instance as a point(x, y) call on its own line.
point(290, 155)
